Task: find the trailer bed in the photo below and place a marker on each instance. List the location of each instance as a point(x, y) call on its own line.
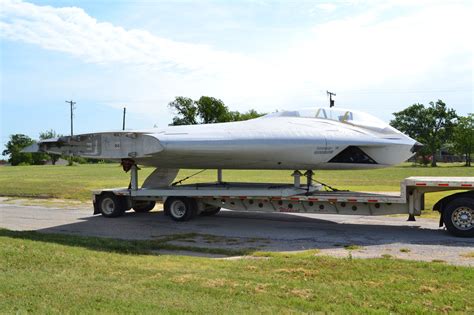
point(205, 198)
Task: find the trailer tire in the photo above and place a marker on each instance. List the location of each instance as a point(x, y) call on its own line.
point(144, 206)
point(111, 205)
point(210, 212)
point(458, 217)
point(180, 208)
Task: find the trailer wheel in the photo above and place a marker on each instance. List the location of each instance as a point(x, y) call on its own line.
point(210, 212)
point(180, 208)
point(143, 206)
point(111, 205)
point(458, 216)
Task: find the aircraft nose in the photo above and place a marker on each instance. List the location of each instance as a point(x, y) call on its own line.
point(417, 147)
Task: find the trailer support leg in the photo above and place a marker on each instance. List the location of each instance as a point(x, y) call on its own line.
point(411, 206)
point(296, 175)
point(134, 177)
point(219, 175)
point(309, 178)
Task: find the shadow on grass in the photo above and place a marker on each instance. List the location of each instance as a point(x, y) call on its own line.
point(439, 166)
point(230, 233)
point(141, 247)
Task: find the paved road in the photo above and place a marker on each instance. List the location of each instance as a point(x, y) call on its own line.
point(376, 236)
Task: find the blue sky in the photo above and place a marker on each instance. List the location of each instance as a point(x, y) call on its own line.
point(378, 56)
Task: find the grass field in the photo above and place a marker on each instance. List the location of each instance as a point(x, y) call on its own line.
point(41, 273)
point(45, 273)
point(77, 182)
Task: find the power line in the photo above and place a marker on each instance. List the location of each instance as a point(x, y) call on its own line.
point(71, 103)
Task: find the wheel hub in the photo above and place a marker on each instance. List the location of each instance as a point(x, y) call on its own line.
point(108, 206)
point(178, 209)
point(463, 218)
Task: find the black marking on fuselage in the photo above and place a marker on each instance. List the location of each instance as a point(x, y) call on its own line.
point(353, 155)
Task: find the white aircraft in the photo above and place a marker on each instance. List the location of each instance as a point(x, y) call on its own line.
point(324, 138)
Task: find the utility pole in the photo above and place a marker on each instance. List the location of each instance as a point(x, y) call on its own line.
point(331, 101)
point(123, 121)
point(71, 103)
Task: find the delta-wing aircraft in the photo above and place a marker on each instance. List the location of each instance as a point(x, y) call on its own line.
point(309, 139)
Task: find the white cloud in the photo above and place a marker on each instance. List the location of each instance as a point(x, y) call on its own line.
point(382, 50)
point(327, 6)
point(377, 49)
point(73, 31)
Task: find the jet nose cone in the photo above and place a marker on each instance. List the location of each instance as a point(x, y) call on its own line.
point(417, 147)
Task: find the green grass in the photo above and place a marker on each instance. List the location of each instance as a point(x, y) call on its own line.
point(77, 182)
point(41, 273)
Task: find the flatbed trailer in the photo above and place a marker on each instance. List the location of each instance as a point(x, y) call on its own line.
point(184, 202)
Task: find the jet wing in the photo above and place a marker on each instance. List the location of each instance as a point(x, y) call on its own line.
point(105, 145)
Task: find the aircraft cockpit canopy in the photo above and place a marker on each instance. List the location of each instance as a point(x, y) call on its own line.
point(351, 117)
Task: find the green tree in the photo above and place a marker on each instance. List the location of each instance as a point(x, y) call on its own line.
point(463, 137)
point(432, 125)
point(185, 109)
point(206, 110)
point(49, 134)
point(212, 110)
point(14, 146)
point(251, 114)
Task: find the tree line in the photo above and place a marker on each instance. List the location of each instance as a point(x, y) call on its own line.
point(435, 126)
point(18, 142)
point(206, 110)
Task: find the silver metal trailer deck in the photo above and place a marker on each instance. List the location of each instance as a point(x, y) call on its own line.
point(184, 202)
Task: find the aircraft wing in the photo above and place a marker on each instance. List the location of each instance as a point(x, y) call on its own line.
point(105, 145)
